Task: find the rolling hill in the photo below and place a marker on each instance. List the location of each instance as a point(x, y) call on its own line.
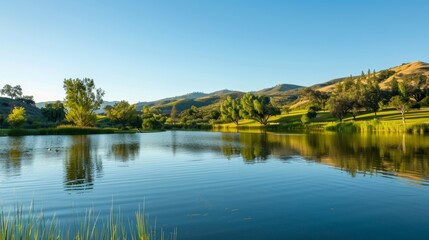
point(399, 72)
point(7, 104)
point(280, 94)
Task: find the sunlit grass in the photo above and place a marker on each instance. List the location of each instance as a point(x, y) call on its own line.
point(388, 120)
point(18, 224)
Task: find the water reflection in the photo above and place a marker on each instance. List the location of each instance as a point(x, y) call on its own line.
point(254, 147)
point(82, 164)
point(125, 151)
point(16, 153)
point(404, 155)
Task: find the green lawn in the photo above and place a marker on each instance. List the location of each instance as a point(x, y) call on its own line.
point(388, 119)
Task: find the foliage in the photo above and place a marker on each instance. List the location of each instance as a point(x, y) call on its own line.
point(372, 96)
point(383, 75)
point(258, 108)
point(230, 110)
point(81, 101)
point(402, 104)
point(285, 109)
point(54, 112)
point(212, 115)
point(152, 118)
point(17, 117)
point(191, 116)
point(173, 114)
point(12, 92)
point(415, 86)
point(394, 87)
point(122, 113)
point(316, 97)
point(339, 105)
point(305, 118)
point(311, 114)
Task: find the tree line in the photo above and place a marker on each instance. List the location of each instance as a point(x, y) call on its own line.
point(351, 96)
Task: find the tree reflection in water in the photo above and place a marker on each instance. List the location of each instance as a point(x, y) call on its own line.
point(400, 154)
point(18, 151)
point(81, 164)
point(125, 151)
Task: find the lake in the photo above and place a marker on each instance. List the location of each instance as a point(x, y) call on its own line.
point(212, 185)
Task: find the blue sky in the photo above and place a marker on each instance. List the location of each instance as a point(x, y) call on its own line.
point(147, 50)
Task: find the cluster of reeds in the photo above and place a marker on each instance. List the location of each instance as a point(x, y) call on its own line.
point(17, 224)
point(378, 126)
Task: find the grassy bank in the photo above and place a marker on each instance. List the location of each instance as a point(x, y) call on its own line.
point(388, 120)
point(64, 130)
point(18, 224)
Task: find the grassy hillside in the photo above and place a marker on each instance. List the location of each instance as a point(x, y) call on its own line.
point(7, 104)
point(206, 102)
point(388, 120)
point(277, 90)
point(399, 72)
point(282, 94)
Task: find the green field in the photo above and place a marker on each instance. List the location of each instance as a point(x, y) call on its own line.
point(388, 120)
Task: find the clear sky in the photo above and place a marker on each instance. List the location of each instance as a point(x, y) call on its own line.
point(147, 50)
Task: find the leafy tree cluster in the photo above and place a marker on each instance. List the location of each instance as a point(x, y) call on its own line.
point(317, 98)
point(54, 112)
point(409, 93)
point(249, 106)
point(17, 117)
point(15, 92)
point(364, 93)
point(124, 114)
point(12, 92)
point(82, 99)
point(152, 118)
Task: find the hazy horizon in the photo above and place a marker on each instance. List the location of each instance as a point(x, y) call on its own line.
point(145, 51)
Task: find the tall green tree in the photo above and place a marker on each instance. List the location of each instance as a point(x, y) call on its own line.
point(122, 113)
point(394, 87)
point(17, 117)
point(81, 101)
point(416, 85)
point(12, 92)
point(54, 112)
point(339, 105)
point(402, 104)
point(373, 97)
point(230, 110)
point(258, 108)
point(316, 98)
point(356, 97)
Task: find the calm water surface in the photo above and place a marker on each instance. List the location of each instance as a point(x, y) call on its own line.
point(230, 185)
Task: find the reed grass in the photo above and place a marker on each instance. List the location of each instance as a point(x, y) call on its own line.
point(17, 224)
point(378, 126)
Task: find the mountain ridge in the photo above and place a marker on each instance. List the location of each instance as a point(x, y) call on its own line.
point(280, 93)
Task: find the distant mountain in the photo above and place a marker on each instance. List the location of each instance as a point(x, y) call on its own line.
point(280, 94)
point(42, 104)
point(278, 89)
point(100, 110)
point(182, 102)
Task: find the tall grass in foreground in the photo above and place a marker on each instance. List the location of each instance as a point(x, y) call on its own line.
point(30, 225)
